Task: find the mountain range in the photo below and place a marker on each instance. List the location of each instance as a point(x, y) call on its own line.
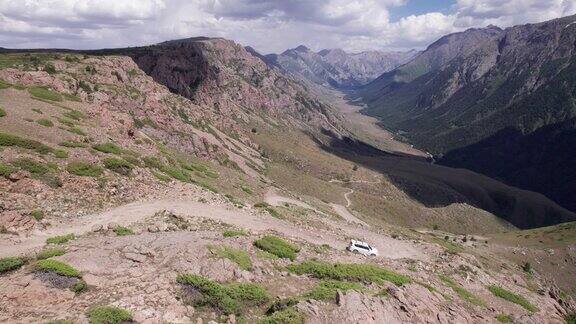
point(335, 67)
point(500, 102)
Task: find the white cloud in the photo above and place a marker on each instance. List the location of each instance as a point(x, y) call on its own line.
point(268, 25)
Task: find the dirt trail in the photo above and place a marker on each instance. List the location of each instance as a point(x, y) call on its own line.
point(247, 219)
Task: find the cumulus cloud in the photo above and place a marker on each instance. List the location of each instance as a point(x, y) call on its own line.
point(268, 25)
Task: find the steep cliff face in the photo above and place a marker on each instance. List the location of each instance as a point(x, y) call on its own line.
point(222, 74)
point(337, 68)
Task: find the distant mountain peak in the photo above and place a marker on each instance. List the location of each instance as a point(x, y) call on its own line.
point(302, 48)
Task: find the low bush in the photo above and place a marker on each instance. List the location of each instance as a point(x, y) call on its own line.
point(84, 169)
point(72, 144)
point(76, 130)
point(38, 214)
point(122, 231)
point(277, 246)
point(13, 140)
point(504, 318)
point(461, 291)
point(10, 263)
point(79, 286)
point(326, 289)
point(6, 170)
point(118, 165)
point(61, 239)
point(45, 93)
point(108, 148)
point(34, 167)
point(49, 253)
point(230, 298)
point(74, 114)
point(234, 233)
point(61, 154)
point(2, 112)
point(240, 257)
point(512, 297)
point(153, 162)
point(108, 315)
point(286, 316)
point(58, 267)
point(45, 122)
point(348, 272)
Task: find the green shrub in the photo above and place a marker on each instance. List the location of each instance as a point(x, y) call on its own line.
point(286, 316)
point(6, 170)
point(326, 289)
point(240, 257)
point(2, 112)
point(84, 169)
point(58, 267)
point(49, 68)
point(61, 239)
point(234, 233)
point(461, 291)
point(79, 286)
point(108, 148)
point(246, 189)
point(10, 263)
point(176, 173)
point(227, 298)
point(66, 122)
point(527, 267)
point(153, 162)
point(348, 272)
point(122, 231)
point(72, 144)
point(31, 166)
point(13, 140)
point(45, 122)
point(504, 318)
point(118, 165)
point(45, 93)
point(49, 253)
point(61, 154)
point(38, 214)
point(277, 246)
point(512, 297)
point(76, 130)
point(108, 315)
point(74, 114)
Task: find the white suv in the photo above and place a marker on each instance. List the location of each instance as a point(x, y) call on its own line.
point(362, 248)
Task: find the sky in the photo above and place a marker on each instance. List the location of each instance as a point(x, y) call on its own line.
point(270, 26)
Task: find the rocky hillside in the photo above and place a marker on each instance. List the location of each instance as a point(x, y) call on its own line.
point(492, 82)
point(337, 68)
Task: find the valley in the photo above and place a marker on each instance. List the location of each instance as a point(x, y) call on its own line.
point(194, 181)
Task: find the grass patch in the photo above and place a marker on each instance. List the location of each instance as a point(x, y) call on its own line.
point(72, 144)
point(118, 165)
point(49, 253)
point(74, 114)
point(108, 315)
point(461, 291)
point(512, 297)
point(45, 122)
point(13, 140)
point(230, 298)
point(153, 162)
point(348, 272)
point(240, 257)
point(45, 94)
point(84, 169)
point(161, 176)
point(326, 289)
point(504, 318)
point(76, 130)
point(38, 214)
point(176, 173)
point(234, 233)
point(122, 231)
point(61, 239)
point(61, 154)
point(108, 148)
point(277, 246)
point(246, 189)
point(10, 263)
point(36, 168)
point(288, 315)
point(79, 286)
point(6, 170)
point(61, 268)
